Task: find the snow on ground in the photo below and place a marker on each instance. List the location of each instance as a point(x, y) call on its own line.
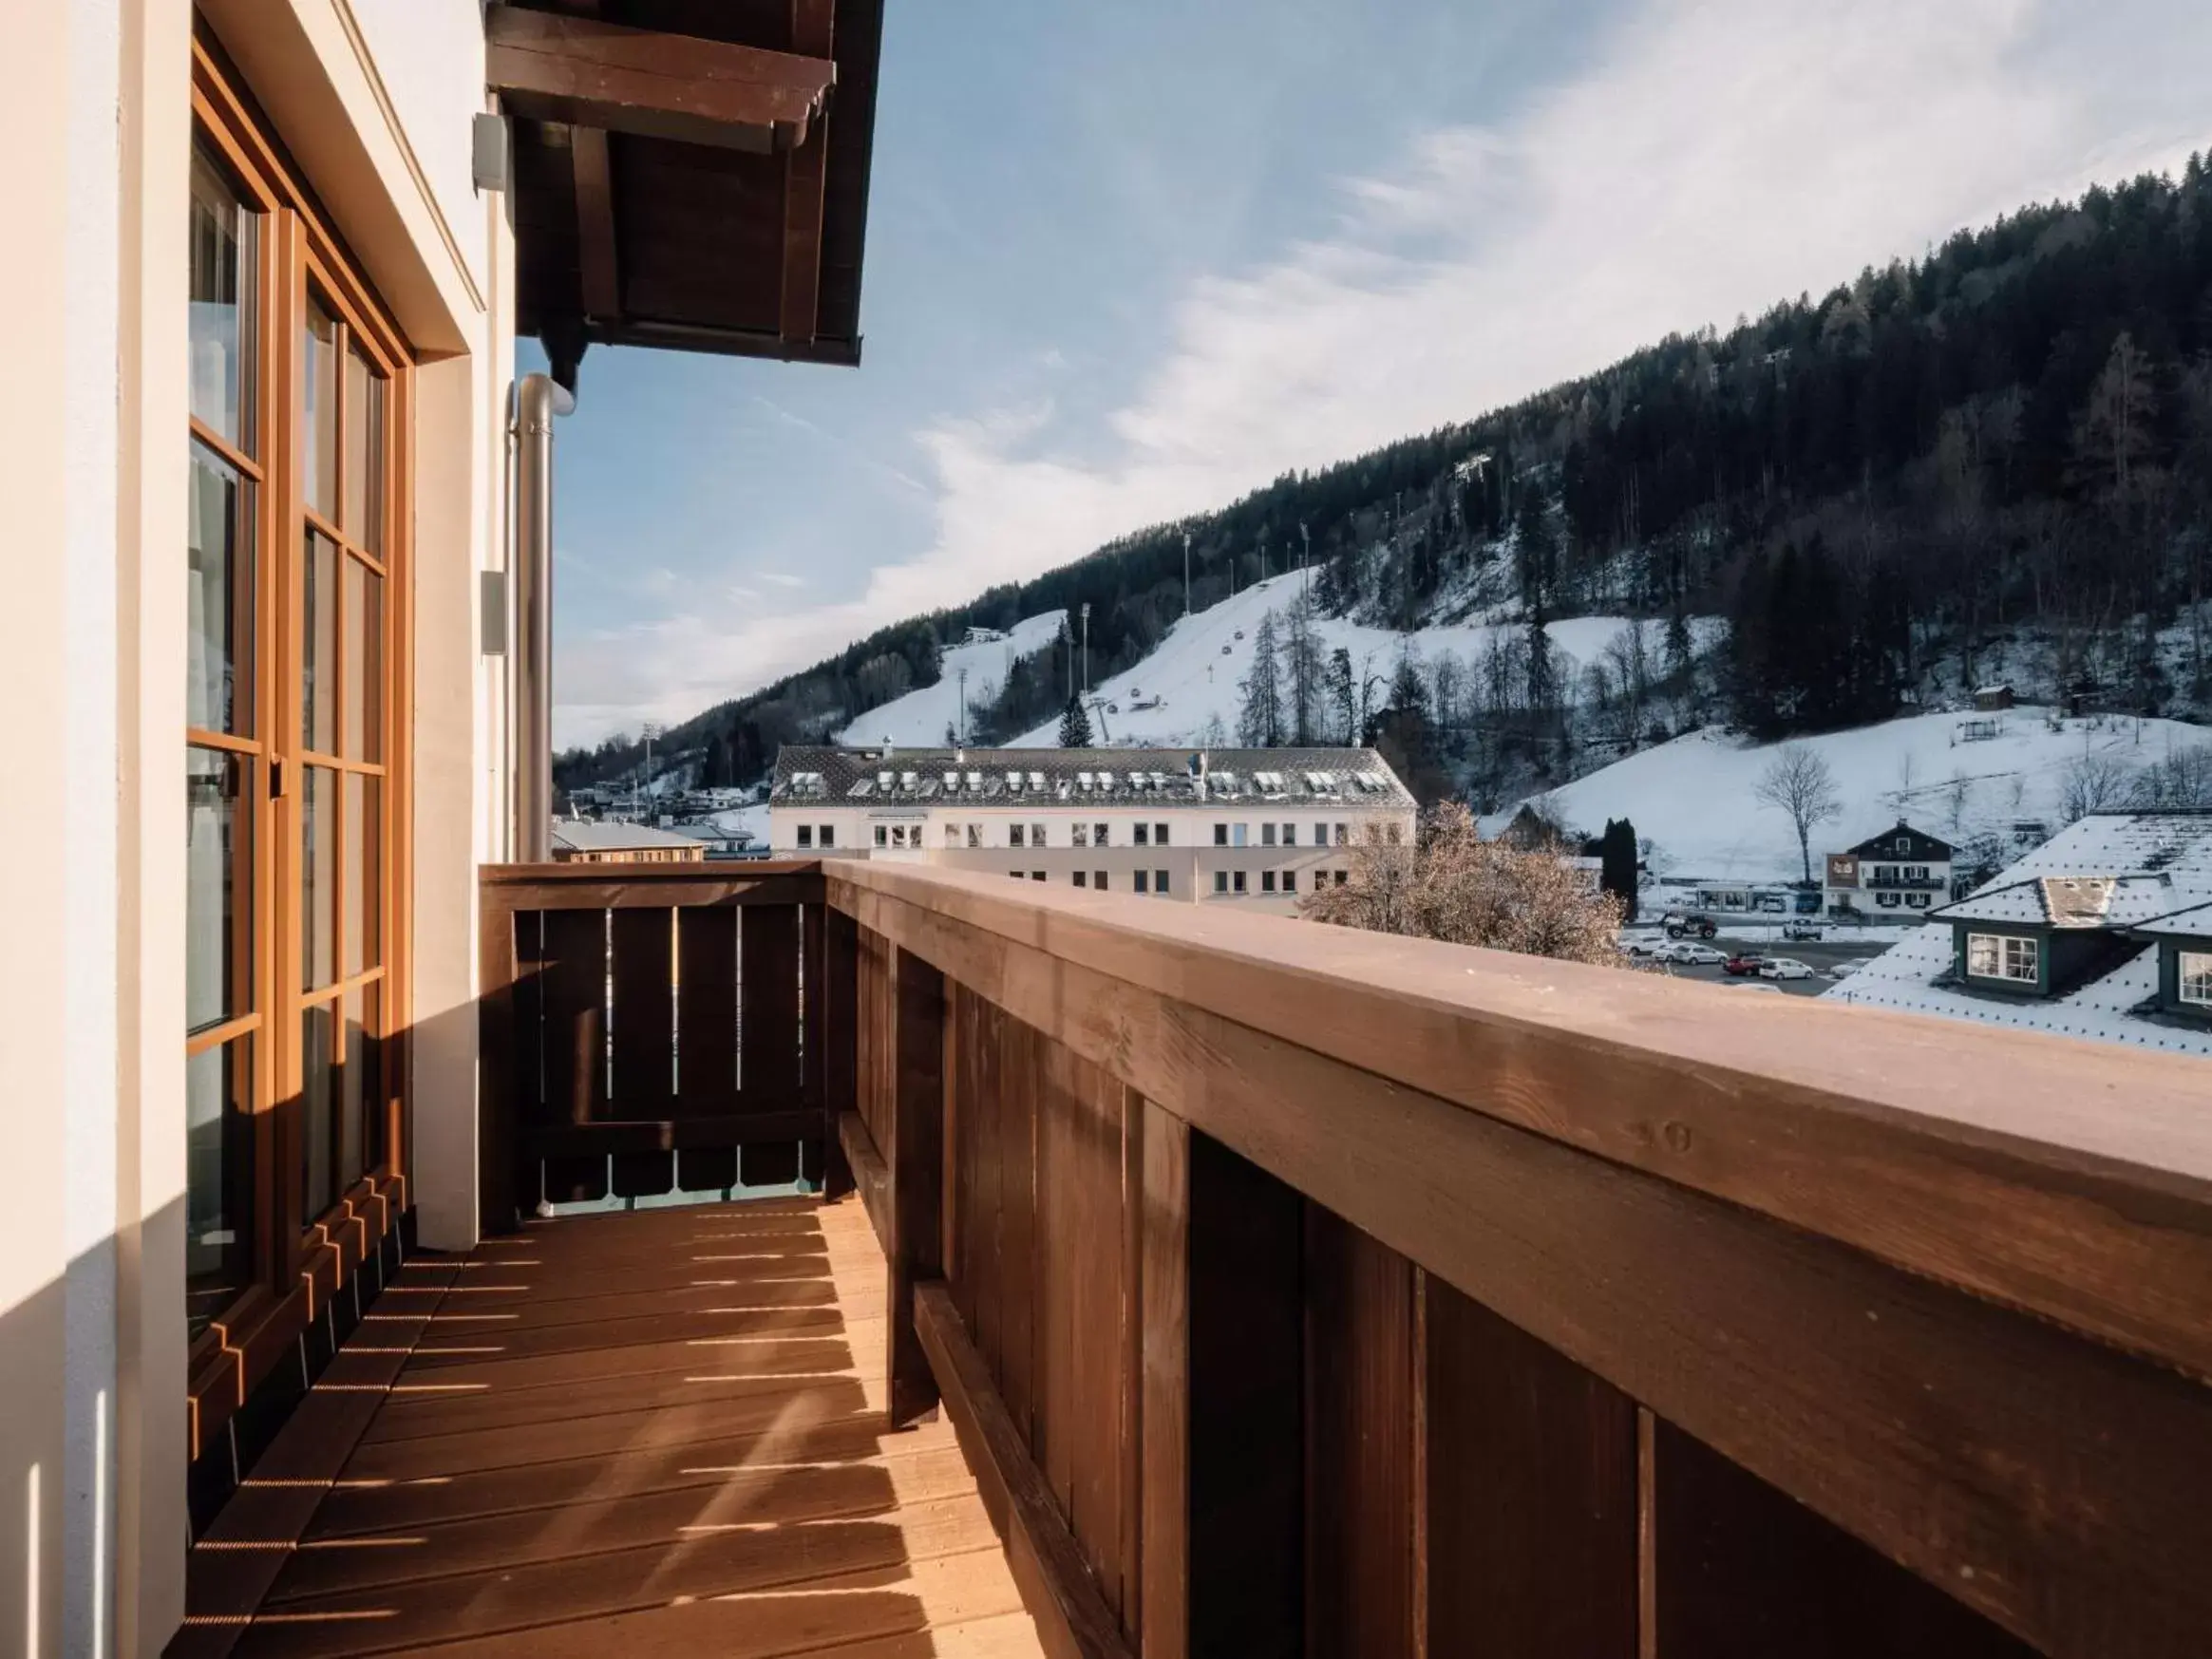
point(920, 719)
point(1694, 797)
point(1193, 675)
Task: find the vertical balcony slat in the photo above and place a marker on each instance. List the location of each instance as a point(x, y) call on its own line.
point(917, 1159)
point(1359, 1444)
point(768, 998)
point(1532, 1495)
point(573, 1045)
point(707, 1013)
point(644, 1013)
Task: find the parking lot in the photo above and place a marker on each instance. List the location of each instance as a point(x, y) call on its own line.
point(1820, 956)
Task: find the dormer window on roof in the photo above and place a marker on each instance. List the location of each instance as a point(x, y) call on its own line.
point(907, 780)
point(1083, 779)
point(975, 781)
point(952, 780)
point(1036, 780)
point(883, 780)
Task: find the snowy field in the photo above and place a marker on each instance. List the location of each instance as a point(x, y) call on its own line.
point(920, 719)
point(1694, 797)
point(1193, 675)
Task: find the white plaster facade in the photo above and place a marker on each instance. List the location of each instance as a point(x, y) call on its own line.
point(374, 100)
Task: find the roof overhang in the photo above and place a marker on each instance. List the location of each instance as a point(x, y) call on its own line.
point(689, 175)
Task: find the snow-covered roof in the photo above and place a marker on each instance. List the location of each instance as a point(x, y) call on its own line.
point(591, 836)
point(2132, 873)
point(2194, 922)
point(1026, 778)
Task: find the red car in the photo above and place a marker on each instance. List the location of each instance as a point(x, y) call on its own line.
point(1748, 962)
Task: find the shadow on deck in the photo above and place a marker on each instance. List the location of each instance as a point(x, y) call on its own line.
point(653, 1433)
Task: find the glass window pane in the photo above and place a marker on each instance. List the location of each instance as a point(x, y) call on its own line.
point(218, 1181)
point(318, 873)
point(364, 843)
point(317, 1103)
point(319, 410)
point(219, 560)
point(218, 890)
point(222, 330)
point(363, 663)
point(364, 490)
point(319, 646)
point(361, 1096)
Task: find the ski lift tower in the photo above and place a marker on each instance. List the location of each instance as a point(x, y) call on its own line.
point(1087, 647)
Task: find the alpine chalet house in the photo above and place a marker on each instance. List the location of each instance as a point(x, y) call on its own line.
point(1258, 826)
point(2105, 932)
point(415, 1245)
point(1899, 871)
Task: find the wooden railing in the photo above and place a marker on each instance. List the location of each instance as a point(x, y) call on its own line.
point(648, 1028)
point(1302, 1291)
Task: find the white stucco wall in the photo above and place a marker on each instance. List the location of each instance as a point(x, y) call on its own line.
point(373, 97)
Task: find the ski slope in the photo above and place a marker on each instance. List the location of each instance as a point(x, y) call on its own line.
point(1197, 669)
point(1694, 797)
point(920, 719)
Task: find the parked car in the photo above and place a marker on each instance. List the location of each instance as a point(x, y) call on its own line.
point(1690, 926)
point(1743, 964)
point(1800, 929)
point(1643, 943)
point(1844, 970)
point(1698, 956)
point(1784, 968)
point(1758, 985)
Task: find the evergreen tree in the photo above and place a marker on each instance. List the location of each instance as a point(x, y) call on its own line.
point(1259, 713)
point(1343, 696)
point(1075, 726)
point(1617, 875)
point(1303, 676)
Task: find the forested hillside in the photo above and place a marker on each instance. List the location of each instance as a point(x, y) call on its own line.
point(1992, 461)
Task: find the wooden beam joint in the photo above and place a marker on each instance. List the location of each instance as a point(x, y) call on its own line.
point(591, 73)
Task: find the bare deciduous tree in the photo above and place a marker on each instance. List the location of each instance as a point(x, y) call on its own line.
point(2095, 783)
point(1451, 884)
point(1799, 783)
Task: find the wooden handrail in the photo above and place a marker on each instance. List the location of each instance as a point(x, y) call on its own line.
point(1648, 1263)
point(2069, 1179)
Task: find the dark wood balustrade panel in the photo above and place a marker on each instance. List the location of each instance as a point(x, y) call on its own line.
point(876, 1061)
point(1745, 1572)
point(1531, 1481)
point(706, 1012)
point(571, 1038)
point(1247, 1429)
point(1360, 1382)
point(644, 1015)
point(768, 1031)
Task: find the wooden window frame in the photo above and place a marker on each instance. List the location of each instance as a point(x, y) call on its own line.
point(300, 1261)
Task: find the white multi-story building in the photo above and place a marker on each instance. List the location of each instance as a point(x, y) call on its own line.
point(1262, 827)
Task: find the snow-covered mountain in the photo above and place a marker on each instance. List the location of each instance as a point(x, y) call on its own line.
point(1190, 683)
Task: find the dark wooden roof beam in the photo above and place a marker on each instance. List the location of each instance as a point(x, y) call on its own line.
point(805, 176)
point(600, 274)
point(595, 74)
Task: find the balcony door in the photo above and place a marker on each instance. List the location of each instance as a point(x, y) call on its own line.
point(294, 744)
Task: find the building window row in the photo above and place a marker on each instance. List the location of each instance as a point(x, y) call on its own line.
point(1279, 835)
point(822, 836)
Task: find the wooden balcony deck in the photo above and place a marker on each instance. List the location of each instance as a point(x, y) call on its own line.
point(651, 1433)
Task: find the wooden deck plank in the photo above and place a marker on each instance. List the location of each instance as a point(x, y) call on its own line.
point(571, 1468)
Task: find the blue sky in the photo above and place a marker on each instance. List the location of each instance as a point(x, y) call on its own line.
point(1126, 262)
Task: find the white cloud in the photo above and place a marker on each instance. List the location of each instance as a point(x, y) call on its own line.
point(1712, 159)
